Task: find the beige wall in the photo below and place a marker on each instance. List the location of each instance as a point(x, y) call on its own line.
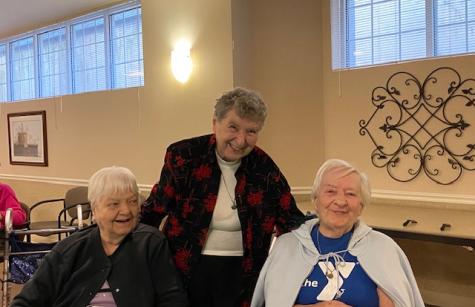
point(278, 52)
point(276, 47)
point(132, 127)
point(347, 100)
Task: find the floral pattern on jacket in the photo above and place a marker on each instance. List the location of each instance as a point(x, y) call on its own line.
point(187, 193)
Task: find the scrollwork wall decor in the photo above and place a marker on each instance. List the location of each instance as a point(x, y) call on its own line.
point(423, 126)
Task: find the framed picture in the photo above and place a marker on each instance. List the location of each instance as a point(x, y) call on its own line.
point(27, 138)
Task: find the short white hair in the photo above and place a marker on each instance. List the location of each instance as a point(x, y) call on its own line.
point(347, 168)
point(111, 181)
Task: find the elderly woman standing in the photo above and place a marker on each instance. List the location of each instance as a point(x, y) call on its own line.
point(222, 196)
point(337, 260)
point(117, 262)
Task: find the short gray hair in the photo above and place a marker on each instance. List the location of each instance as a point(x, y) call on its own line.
point(110, 181)
point(247, 104)
point(347, 168)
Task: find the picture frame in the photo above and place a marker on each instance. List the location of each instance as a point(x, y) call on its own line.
point(27, 138)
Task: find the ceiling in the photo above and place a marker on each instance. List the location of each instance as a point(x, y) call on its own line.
point(18, 16)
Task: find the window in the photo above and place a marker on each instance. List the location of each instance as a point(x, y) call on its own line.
point(454, 26)
point(99, 51)
point(22, 68)
point(3, 73)
point(89, 59)
point(127, 54)
point(368, 32)
point(53, 63)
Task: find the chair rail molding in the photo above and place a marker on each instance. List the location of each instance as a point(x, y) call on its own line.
point(403, 197)
point(406, 198)
point(60, 181)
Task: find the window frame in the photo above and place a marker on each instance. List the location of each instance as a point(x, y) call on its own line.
point(7, 70)
point(11, 63)
point(126, 61)
point(68, 24)
point(341, 60)
point(106, 64)
point(67, 59)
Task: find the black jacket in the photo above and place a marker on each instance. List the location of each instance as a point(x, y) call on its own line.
point(140, 272)
point(187, 193)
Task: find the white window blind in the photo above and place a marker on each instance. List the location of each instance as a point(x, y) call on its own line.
point(369, 32)
point(3, 73)
point(53, 64)
point(127, 53)
point(89, 58)
point(22, 69)
point(98, 51)
point(454, 26)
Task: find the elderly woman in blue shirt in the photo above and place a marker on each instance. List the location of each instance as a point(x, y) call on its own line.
point(337, 260)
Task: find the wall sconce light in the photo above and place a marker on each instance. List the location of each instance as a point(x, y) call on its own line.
point(181, 62)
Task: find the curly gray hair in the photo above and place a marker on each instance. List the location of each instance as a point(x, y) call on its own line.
point(247, 104)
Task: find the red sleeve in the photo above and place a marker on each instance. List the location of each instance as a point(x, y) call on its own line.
point(9, 200)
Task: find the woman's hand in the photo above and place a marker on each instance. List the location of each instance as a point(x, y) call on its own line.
point(325, 304)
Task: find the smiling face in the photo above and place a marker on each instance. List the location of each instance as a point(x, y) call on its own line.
point(338, 203)
point(116, 215)
point(235, 136)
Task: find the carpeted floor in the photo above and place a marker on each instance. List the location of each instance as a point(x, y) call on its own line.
point(13, 289)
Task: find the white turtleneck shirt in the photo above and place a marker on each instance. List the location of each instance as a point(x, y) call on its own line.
point(224, 235)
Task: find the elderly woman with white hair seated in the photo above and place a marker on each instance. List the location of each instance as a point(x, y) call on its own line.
point(336, 259)
point(116, 262)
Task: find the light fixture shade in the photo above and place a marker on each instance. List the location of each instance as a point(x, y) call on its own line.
point(181, 63)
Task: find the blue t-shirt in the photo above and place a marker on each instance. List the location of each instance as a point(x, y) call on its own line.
point(351, 285)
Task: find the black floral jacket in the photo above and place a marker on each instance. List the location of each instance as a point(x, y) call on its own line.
point(187, 193)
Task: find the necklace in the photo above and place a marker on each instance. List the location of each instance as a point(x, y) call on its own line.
point(233, 199)
point(339, 260)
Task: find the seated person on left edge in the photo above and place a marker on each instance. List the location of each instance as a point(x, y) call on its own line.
point(8, 200)
point(337, 260)
point(116, 262)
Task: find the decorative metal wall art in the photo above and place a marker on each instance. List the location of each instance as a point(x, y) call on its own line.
point(423, 127)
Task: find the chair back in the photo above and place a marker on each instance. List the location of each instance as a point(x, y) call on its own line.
point(26, 209)
point(76, 196)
